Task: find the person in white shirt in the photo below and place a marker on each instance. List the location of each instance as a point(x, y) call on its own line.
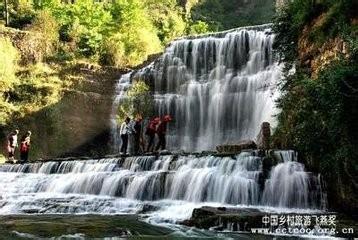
point(124, 131)
point(12, 145)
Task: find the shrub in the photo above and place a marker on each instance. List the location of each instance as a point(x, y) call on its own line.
point(48, 29)
point(8, 65)
point(113, 52)
point(167, 17)
point(138, 100)
point(86, 23)
point(198, 27)
point(21, 14)
point(319, 116)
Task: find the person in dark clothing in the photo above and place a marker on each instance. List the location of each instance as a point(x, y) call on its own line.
point(12, 145)
point(150, 132)
point(25, 147)
point(161, 131)
point(137, 134)
point(124, 131)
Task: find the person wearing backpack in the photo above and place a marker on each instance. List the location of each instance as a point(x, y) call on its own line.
point(150, 132)
point(25, 147)
point(161, 132)
point(137, 134)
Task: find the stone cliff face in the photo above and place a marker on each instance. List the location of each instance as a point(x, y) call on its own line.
point(79, 123)
point(316, 56)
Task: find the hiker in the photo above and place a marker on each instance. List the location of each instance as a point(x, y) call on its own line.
point(12, 145)
point(25, 147)
point(137, 134)
point(124, 131)
point(161, 131)
point(150, 132)
point(131, 136)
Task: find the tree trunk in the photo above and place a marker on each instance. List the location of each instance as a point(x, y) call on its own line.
point(6, 13)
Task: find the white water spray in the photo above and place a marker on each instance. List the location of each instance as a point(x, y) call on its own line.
point(219, 87)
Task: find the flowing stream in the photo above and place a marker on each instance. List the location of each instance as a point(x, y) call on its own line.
point(162, 190)
point(219, 88)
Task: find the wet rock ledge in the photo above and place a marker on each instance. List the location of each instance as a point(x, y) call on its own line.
point(222, 218)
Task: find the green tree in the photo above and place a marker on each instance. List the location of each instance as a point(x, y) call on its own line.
point(168, 18)
point(21, 13)
point(47, 27)
point(319, 116)
point(86, 22)
point(135, 35)
point(198, 27)
point(138, 100)
point(226, 14)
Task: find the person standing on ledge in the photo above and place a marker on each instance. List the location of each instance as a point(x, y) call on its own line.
point(25, 147)
point(161, 131)
point(150, 132)
point(137, 133)
point(12, 145)
point(124, 131)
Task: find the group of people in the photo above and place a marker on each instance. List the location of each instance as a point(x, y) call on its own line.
point(131, 130)
point(12, 144)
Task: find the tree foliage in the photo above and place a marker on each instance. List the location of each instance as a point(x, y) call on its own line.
point(168, 18)
point(120, 33)
point(85, 23)
point(198, 27)
point(137, 101)
point(226, 14)
point(8, 65)
point(319, 116)
point(125, 32)
point(47, 27)
point(21, 13)
point(136, 35)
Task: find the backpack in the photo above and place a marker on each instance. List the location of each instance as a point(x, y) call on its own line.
point(24, 147)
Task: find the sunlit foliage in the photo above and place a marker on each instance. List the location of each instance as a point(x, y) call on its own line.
point(137, 101)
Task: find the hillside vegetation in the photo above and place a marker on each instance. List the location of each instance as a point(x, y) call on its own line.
point(222, 15)
point(51, 48)
point(319, 118)
point(45, 36)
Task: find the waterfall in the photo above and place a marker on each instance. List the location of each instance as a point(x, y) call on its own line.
point(121, 87)
point(290, 185)
point(219, 87)
point(122, 185)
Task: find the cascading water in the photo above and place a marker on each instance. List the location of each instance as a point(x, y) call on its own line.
point(121, 87)
point(289, 185)
point(123, 185)
point(218, 87)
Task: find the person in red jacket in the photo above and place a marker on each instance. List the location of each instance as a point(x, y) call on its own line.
point(150, 132)
point(25, 147)
point(161, 132)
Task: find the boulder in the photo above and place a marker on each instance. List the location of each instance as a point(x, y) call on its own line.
point(236, 148)
point(223, 218)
